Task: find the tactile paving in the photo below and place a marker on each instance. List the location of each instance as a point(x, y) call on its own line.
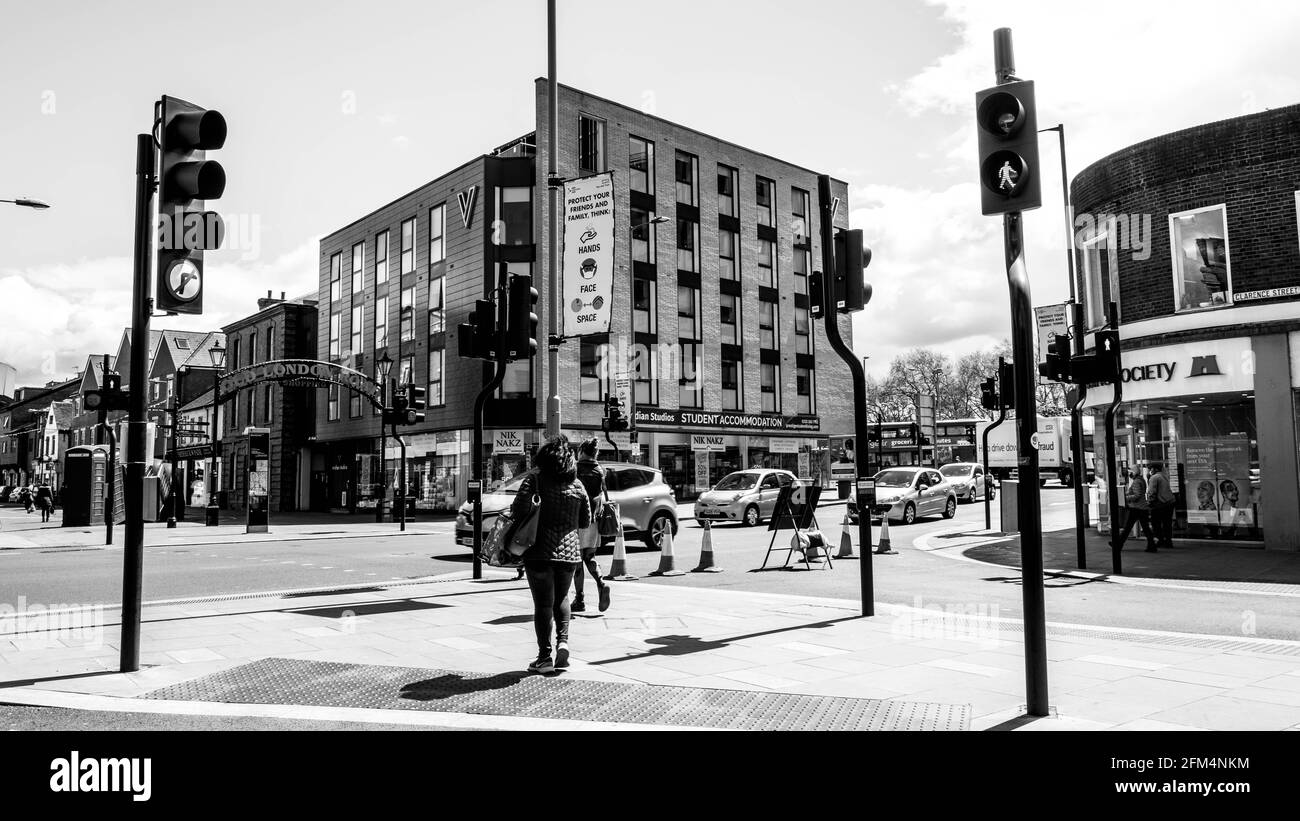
point(337, 684)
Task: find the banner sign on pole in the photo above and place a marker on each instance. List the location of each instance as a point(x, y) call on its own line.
point(587, 268)
point(1051, 320)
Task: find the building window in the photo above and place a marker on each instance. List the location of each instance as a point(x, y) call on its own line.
point(336, 327)
point(408, 246)
point(688, 245)
point(435, 377)
point(408, 314)
point(690, 393)
point(769, 377)
point(800, 271)
point(406, 371)
point(766, 270)
point(688, 176)
point(728, 181)
point(358, 325)
point(644, 319)
point(270, 342)
point(803, 382)
point(799, 215)
point(802, 331)
point(354, 405)
point(641, 164)
point(594, 384)
point(381, 322)
point(332, 406)
point(437, 312)
point(730, 319)
point(381, 257)
point(690, 331)
point(1202, 272)
point(1100, 276)
point(437, 224)
point(266, 403)
point(767, 325)
point(591, 144)
point(336, 277)
point(515, 215)
point(645, 380)
point(358, 263)
point(731, 384)
point(763, 198)
point(728, 267)
point(643, 236)
point(688, 313)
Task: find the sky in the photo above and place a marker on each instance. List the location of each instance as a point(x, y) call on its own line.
point(335, 108)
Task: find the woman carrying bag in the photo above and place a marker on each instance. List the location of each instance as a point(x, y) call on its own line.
point(563, 510)
point(592, 476)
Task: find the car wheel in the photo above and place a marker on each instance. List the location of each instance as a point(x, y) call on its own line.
point(751, 516)
point(909, 514)
point(659, 525)
point(951, 509)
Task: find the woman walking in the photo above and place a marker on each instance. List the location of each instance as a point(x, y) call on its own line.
point(592, 476)
point(45, 501)
point(554, 556)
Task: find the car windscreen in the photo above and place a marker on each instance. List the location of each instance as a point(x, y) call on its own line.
point(738, 481)
point(894, 478)
point(514, 484)
point(956, 470)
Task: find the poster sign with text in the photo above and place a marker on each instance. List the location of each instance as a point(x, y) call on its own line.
point(1051, 320)
point(702, 471)
point(508, 441)
point(587, 268)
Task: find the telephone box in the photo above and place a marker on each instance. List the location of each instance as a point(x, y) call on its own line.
point(258, 484)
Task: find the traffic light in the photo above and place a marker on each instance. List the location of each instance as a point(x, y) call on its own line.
point(1099, 368)
point(396, 414)
point(521, 321)
point(415, 405)
point(815, 295)
point(1057, 366)
point(476, 339)
point(186, 178)
point(110, 397)
point(614, 417)
point(852, 292)
point(1006, 384)
point(989, 393)
point(1008, 146)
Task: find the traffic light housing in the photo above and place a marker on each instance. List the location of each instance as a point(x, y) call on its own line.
point(109, 397)
point(815, 295)
point(521, 320)
point(1101, 367)
point(1008, 144)
point(1006, 385)
point(615, 419)
point(1057, 367)
point(415, 405)
point(989, 393)
point(476, 339)
point(852, 292)
point(186, 179)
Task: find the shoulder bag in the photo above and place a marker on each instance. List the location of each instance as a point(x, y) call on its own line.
point(608, 521)
point(524, 535)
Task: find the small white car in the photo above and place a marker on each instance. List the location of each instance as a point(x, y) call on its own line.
point(905, 493)
point(969, 480)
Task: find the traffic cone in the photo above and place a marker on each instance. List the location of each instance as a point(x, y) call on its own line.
point(666, 565)
point(706, 550)
point(618, 568)
point(884, 549)
point(846, 539)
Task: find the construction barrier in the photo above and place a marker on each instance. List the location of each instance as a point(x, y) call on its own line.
point(846, 538)
point(666, 565)
point(884, 549)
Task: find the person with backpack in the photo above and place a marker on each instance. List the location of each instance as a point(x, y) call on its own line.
point(1139, 512)
point(592, 476)
point(1161, 499)
point(563, 510)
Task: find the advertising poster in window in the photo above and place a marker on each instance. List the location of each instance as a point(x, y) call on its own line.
point(1202, 493)
point(587, 267)
point(1219, 490)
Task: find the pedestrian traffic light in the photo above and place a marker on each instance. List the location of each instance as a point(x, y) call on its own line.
point(1006, 385)
point(989, 393)
point(521, 321)
point(1099, 368)
point(109, 397)
point(1057, 366)
point(615, 419)
point(186, 178)
point(1008, 146)
point(415, 405)
point(396, 415)
point(852, 291)
point(476, 339)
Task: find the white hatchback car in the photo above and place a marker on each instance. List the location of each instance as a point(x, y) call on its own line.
point(969, 480)
point(905, 493)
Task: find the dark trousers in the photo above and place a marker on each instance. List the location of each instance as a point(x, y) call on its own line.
point(1162, 522)
point(588, 559)
point(549, 583)
point(1133, 517)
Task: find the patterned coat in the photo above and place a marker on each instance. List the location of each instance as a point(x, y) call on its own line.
point(565, 509)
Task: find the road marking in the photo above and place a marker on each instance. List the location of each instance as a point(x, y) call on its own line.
point(328, 567)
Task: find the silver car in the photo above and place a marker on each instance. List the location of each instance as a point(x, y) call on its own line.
point(905, 493)
point(747, 496)
point(969, 480)
point(646, 504)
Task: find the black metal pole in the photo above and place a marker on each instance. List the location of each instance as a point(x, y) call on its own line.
point(1112, 491)
point(1002, 417)
point(137, 422)
point(111, 502)
point(610, 439)
point(830, 319)
point(480, 401)
point(213, 512)
point(172, 496)
point(383, 453)
point(401, 480)
point(1075, 316)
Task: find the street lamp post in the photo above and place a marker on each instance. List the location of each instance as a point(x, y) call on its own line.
point(385, 364)
point(213, 512)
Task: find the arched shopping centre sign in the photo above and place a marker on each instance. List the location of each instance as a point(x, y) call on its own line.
point(307, 373)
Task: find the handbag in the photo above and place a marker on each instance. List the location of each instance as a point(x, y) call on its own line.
point(495, 550)
point(524, 534)
point(608, 521)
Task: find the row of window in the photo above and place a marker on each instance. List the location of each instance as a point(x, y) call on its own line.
point(243, 413)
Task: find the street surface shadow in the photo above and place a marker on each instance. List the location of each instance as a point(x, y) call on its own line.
point(339, 611)
point(681, 645)
point(1018, 722)
point(350, 590)
point(453, 684)
point(520, 619)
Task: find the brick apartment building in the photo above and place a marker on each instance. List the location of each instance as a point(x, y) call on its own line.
point(710, 309)
point(1195, 235)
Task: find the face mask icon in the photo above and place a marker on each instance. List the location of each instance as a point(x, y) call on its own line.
point(588, 269)
point(595, 304)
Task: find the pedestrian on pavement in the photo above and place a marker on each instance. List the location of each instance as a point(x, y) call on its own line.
point(1161, 499)
point(557, 551)
point(45, 501)
point(1139, 512)
point(25, 498)
point(592, 476)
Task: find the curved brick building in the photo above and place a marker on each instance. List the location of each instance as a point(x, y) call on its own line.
point(1194, 236)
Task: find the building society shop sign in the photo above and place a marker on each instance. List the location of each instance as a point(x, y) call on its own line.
point(1200, 368)
point(745, 421)
point(588, 264)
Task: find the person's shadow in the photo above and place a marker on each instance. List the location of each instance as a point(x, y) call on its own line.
point(456, 684)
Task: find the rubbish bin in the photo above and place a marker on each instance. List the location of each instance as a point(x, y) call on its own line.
point(1010, 505)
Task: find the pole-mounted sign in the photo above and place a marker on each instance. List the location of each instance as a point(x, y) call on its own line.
point(588, 263)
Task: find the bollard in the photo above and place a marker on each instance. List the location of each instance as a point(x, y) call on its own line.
point(706, 550)
point(666, 565)
point(846, 539)
point(618, 568)
point(884, 548)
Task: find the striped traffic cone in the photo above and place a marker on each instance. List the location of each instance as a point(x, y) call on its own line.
point(884, 549)
point(618, 568)
point(666, 565)
point(846, 539)
point(706, 550)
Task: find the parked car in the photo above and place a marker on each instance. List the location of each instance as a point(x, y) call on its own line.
point(5, 491)
point(646, 504)
point(747, 496)
point(970, 481)
point(906, 493)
